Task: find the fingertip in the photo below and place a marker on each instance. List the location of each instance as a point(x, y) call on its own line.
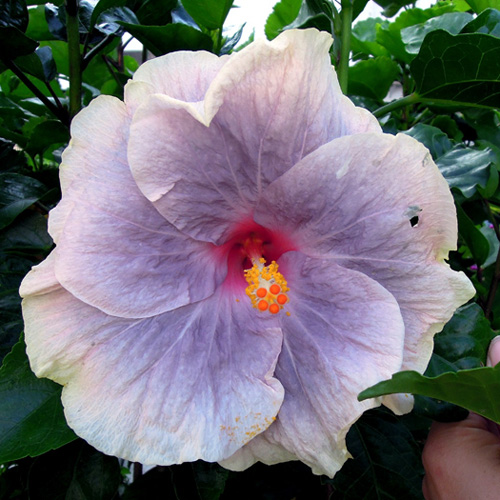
point(494, 352)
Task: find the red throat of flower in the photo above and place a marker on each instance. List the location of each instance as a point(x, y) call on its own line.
point(253, 252)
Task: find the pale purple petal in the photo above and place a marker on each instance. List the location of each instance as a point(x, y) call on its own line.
point(269, 105)
point(353, 201)
point(182, 75)
point(114, 250)
point(194, 383)
point(345, 333)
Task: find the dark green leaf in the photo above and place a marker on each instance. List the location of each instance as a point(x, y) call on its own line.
point(363, 39)
point(14, 43)
point(153, 12)
point(163, 39)
point(102, 6)
point(476, 389)
point(432, 138)
point(208, 13)
point(449, 126)
point(477, 243)
point(452, 22)
point(106, 14)
point(460, 68)
point(389, 35)
point(373, 77)
point(464, 340)
point(14, 13)
point(487, 22)
point(31, 414)
point(357, 7)
point(386, 461)
point(466, 168)
point(314, 14)
point(12, 270)
point(46, 134)
point(29, 233)
point(392, 7)
point(283, 13)
point(210, 480)
point(17, 192)
point(74, 472)
point(40, 64)
point(480, 5)
point(489, 233)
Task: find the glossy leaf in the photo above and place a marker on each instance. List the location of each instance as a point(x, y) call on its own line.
point(40, 64)
point(14, 13)
point(163, 39)
point(208, 13)
point(465, 339)
point(436, 141)
point(283, 13)
point(487, 22)
point(373, 77)
point(459, 68)
point(452, 22)
point(313, 14)
point(476, 389)
point(29, 233)
point(389, 36)
point(386, 461)
point(480, 5)
point(31, 414)
point(466, 168)
point(231, 42)
point(17, 193)
point(153, 12)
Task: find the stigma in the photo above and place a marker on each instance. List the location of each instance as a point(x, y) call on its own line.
point(267, 287)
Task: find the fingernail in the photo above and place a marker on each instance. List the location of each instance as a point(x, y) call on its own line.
point(493, 352)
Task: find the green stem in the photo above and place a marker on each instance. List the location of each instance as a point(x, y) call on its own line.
point(60, 113)
point(399, 103)
point(345, 44)
point(75, 72)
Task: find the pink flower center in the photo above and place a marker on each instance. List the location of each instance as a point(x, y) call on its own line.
point(252, 257)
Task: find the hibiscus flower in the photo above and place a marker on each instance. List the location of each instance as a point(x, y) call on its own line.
point(239, 252)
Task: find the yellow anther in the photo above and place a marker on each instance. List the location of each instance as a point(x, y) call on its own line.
point(267, 287)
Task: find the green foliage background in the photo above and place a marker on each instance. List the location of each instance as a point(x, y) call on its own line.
point(443, 61)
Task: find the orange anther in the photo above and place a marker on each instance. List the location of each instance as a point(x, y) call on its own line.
point(261, 292)
point(274, 308)
point(263, 305)
point(274, 289)
point(282, 299)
